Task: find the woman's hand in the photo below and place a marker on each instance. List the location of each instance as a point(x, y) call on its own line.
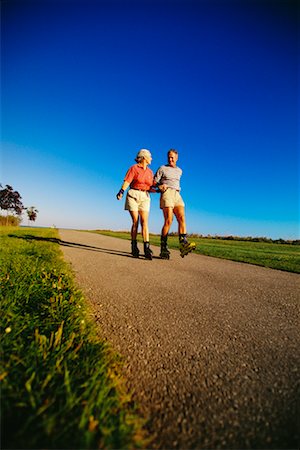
point(120, 194)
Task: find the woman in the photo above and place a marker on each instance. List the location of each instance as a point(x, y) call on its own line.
point(140, 179)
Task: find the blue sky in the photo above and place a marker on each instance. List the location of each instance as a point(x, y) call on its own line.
point(86, 84)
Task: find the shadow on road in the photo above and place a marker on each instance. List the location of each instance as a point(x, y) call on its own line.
point(30, 237)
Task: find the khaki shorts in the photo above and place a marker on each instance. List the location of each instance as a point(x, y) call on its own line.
point(170, 199)
point(137, 200)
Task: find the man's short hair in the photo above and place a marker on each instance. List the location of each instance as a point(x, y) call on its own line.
point(172, 150)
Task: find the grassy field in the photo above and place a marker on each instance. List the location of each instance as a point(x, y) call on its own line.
point(60, 384)
point(273, 255)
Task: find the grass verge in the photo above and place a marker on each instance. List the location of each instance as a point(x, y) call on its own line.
point(61, 385)
point(276, 256)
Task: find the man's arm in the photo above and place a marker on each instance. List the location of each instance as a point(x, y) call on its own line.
point(157, 180)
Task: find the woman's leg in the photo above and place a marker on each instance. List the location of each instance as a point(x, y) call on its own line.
point(144, 216)
point(145, 232)
point(135, 224)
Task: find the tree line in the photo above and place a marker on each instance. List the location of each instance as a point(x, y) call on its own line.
point(11, 202)
point(241, 238)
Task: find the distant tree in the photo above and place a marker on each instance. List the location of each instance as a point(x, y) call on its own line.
point(32, 213)
point(10, 200)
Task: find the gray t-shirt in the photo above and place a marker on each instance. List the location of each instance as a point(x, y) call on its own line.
point(168, 175)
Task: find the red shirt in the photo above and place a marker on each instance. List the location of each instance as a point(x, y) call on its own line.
point(139, 178)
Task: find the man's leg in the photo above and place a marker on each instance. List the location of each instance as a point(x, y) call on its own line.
point(168, 219)
point(180, 216)
point(184, 246)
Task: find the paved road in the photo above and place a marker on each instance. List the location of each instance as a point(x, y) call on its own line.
point(212, 346)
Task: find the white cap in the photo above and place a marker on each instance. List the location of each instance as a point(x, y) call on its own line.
point(143, 153)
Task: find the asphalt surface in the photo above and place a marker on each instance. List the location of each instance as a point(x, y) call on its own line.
point(211, 346)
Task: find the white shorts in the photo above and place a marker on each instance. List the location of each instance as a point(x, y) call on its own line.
point(170, 199)
point(137, 200)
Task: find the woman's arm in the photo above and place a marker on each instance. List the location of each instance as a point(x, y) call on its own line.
point(123, 188)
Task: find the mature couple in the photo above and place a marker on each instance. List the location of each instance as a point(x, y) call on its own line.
point(141, 181)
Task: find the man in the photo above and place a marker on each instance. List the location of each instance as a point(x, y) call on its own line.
point(167, 178)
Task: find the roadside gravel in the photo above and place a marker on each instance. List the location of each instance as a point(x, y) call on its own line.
point(211, 346)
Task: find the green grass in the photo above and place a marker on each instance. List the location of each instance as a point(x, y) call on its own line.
point(60, 383)
point(274, 255)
